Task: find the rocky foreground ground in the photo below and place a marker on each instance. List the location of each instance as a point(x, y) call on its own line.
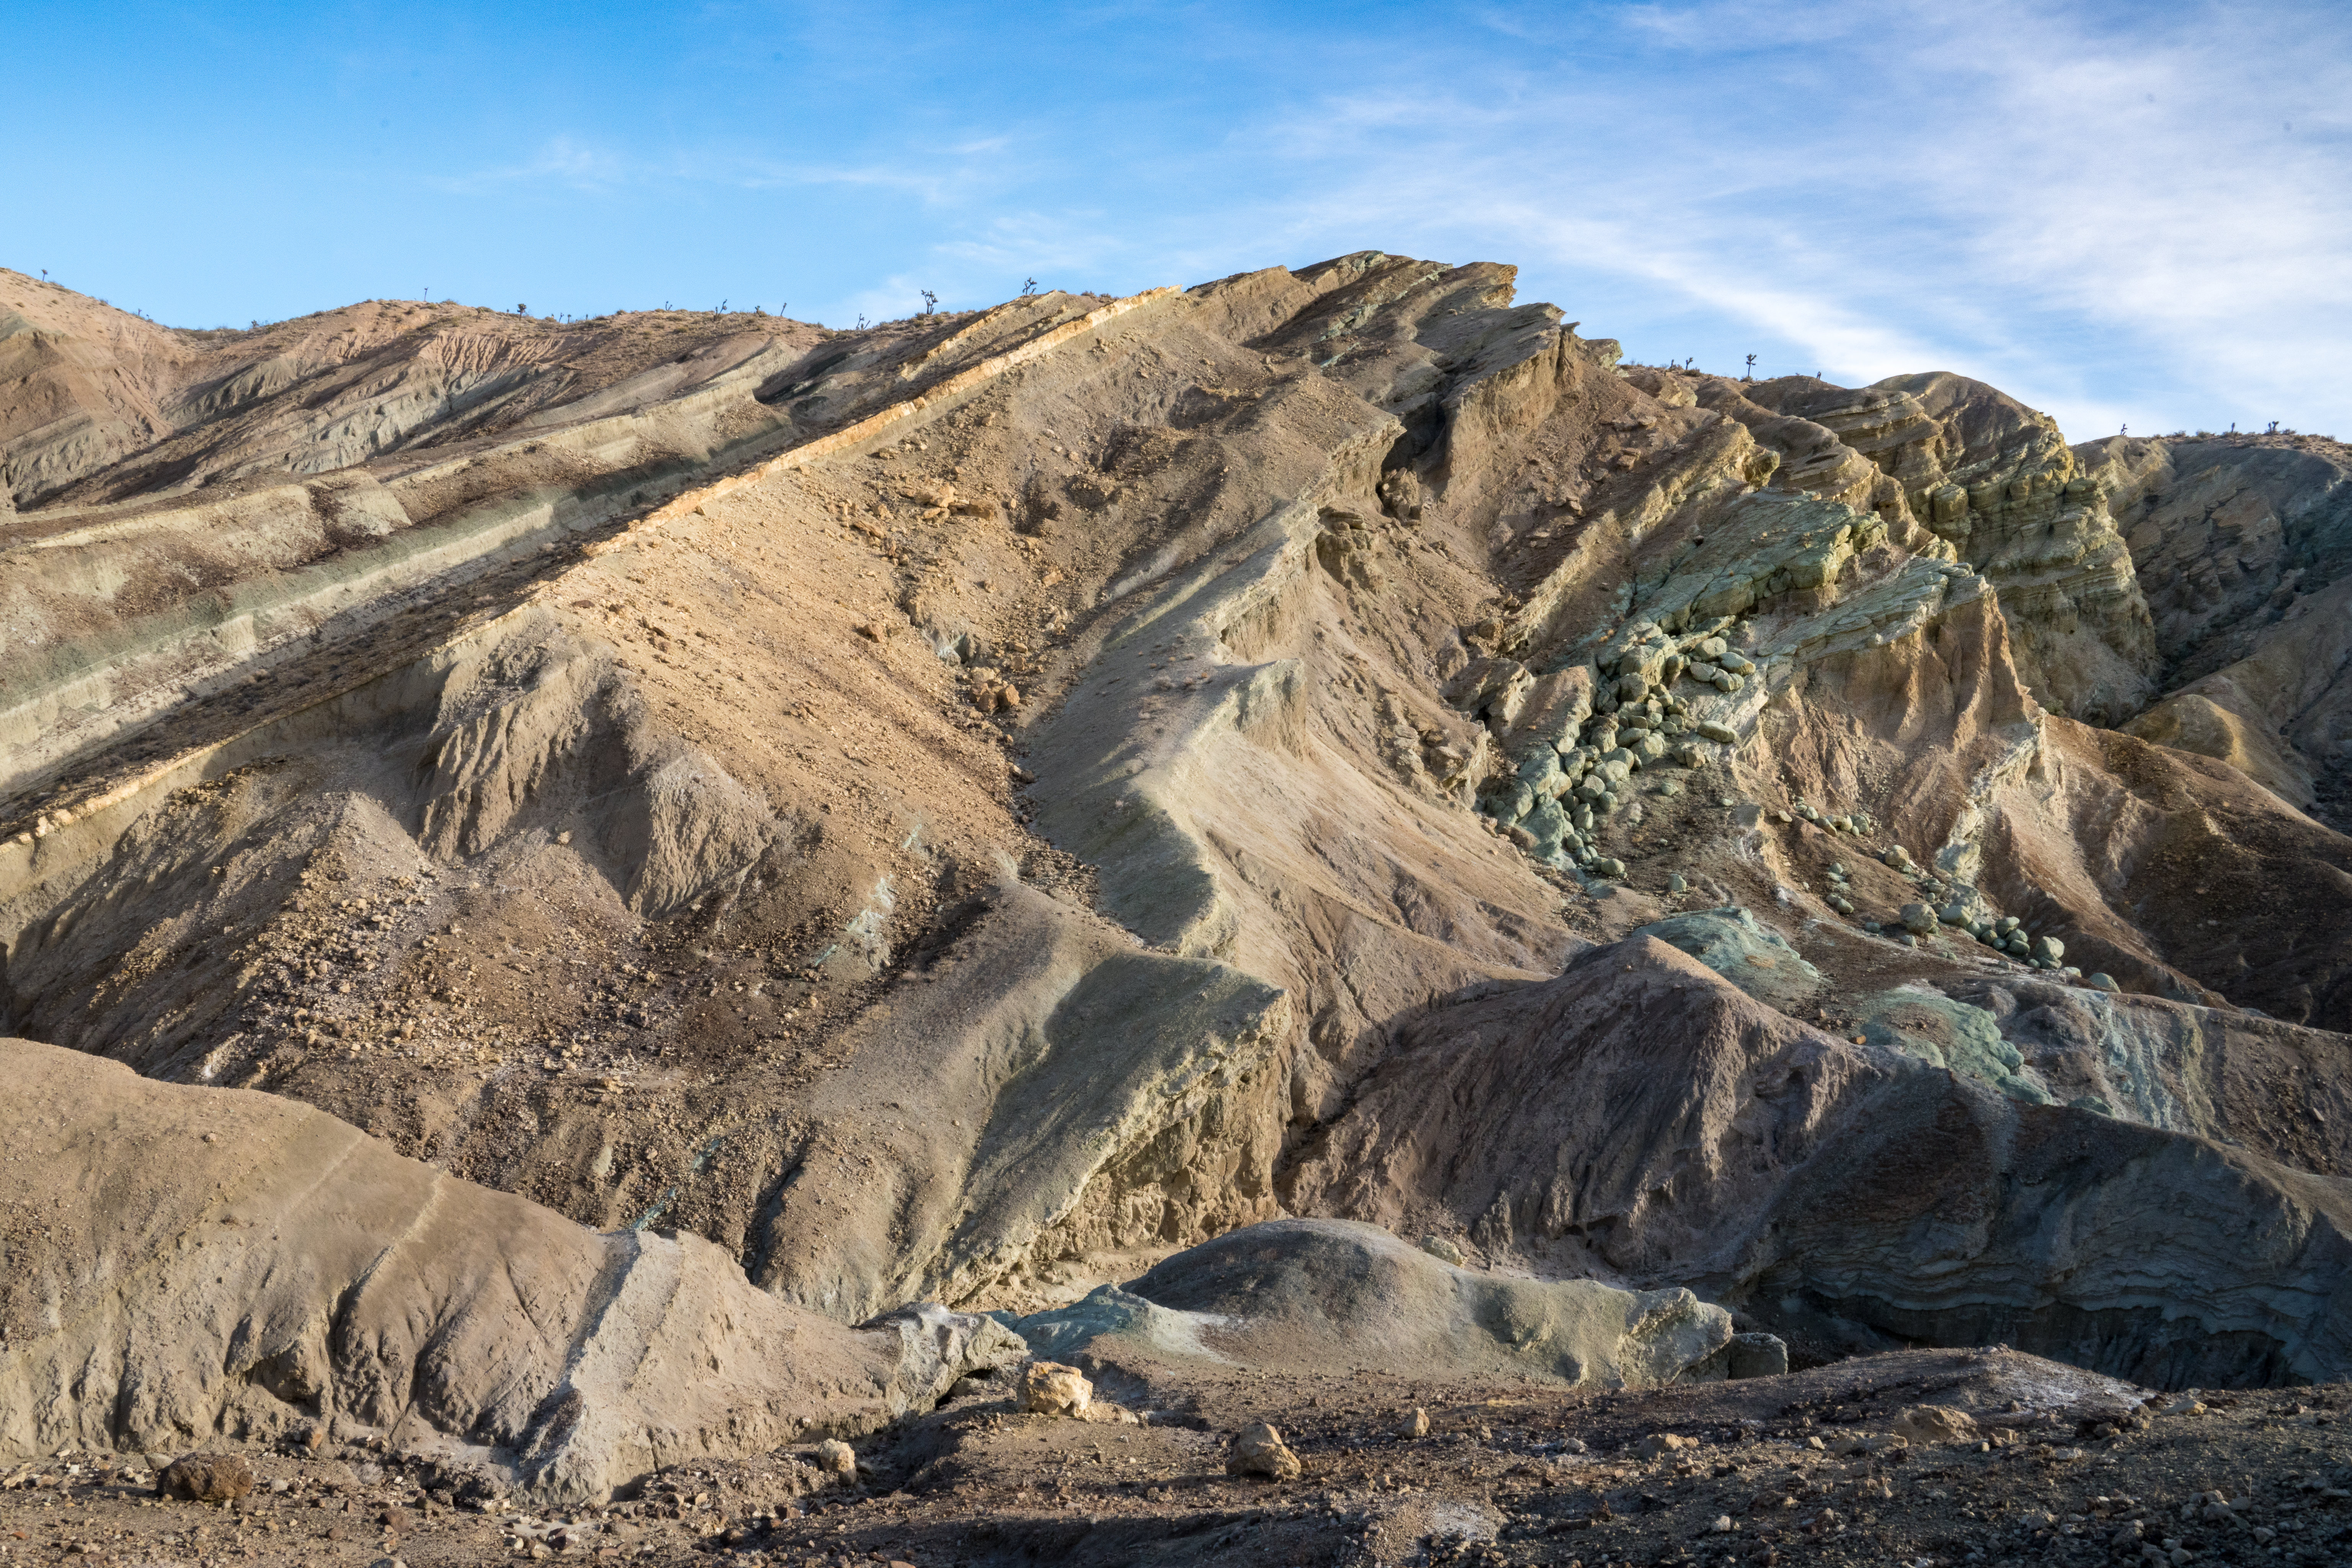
point(633, 918)
point(1876, 1461)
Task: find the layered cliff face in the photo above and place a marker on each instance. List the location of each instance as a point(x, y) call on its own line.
point(2244, 544)
point(1996, 480)
point(103, 407)
point(962, 809)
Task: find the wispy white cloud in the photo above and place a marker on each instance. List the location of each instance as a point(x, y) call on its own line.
point(2096, 206)
point(2109, 221)
point(954, 173)
point(560, 161)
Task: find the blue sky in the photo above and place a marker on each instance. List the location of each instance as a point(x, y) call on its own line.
point(2122, 214)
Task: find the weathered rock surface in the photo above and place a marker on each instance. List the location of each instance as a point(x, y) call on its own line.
point(2245, 545)
point(1329, 1294)
point(1744, 950)
point(2270, 1087)
point(1639, 1119)
point(215, 1264)
point(1049, 1388)
point(1259, 1450)
point(1997, 482)
point(206, 1478)
point(1013, 796)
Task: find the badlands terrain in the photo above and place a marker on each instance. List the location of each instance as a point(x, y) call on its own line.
point(1302, 921)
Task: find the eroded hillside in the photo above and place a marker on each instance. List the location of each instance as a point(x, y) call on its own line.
point(963, 810)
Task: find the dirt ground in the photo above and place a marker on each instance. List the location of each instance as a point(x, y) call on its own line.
point(2067, 1469)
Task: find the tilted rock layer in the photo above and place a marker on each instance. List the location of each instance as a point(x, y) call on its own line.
point(968, 808)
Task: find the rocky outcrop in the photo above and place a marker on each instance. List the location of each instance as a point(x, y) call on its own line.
point(214, 1264)
point(2242, 1082)
point(2226, 532)
point(1327, 1295)
point(1003, 798)
point(1997, 481)
point(1639, 1119)
point(2244, 545)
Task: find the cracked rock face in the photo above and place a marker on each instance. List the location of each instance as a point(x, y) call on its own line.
point(990, 808)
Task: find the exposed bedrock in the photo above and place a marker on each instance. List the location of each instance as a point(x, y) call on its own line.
point(1642, 1119)
point(1334, 1296)
point(1996, 483)
point(2244, 544)
point(966, 809)
point(216, 1263)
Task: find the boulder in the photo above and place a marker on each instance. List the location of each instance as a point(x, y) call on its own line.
point(1541, 774)
point(1049, 1388)
point(206, 1478)
point(1510, 800)
point(1748, 1354)
point(1547, 826)
point(1755, 1354)
point(1259, 1450)
point(1552, 713)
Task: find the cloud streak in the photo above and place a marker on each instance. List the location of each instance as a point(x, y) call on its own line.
point(2100, 208)
point(2111, 222)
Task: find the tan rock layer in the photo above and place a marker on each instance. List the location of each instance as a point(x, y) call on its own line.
point(184, 1264)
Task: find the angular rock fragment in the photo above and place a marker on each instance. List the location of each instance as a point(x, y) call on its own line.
point(1049, 1388)
point(1259, 1450)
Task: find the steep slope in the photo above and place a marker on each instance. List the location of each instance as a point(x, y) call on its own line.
point(987, 802)
point(2244, 543)
point(266, 1271)
point(1642, 1119)
point(105, 406)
